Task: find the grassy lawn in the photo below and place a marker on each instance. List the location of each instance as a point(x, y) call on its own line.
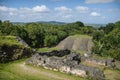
point(47, 49)
point(111, 74)
point(9, 41)
point(17, 70)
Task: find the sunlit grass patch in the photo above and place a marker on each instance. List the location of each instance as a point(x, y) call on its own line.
point(111, 74)
point(47, 49)
point(9, 41)
point(81, 36)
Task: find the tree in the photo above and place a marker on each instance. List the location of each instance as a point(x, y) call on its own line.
point(98, 35)
point(50, 40)
point(79, 24)
point(35, 35)
point(109, 44)
point(109, 27)
point(117, 24)
point(0, 23)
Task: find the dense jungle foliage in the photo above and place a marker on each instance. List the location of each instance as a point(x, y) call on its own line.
point(107, 41)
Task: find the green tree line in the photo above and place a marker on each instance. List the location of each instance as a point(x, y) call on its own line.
point(41, 34)
point(107, 40)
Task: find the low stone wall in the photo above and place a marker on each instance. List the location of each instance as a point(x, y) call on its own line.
point(68, 63)
point(105, 62)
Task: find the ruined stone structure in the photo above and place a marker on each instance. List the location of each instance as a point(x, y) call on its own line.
point(14, 52)
point(21, 41)
point(105, 62)
point(67, 62)
point(76, 43)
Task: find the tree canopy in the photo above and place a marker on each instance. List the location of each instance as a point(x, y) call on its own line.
point(41, 34)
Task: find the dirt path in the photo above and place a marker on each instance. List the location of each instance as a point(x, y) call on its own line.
point(40, 72)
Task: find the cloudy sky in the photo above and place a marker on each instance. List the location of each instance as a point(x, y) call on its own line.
point(87, 11)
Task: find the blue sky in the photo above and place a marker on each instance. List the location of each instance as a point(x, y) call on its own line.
point(87, 11)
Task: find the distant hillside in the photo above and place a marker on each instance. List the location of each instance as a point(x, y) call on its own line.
point(51, 22)
point(46, 22)
point(60, 23)
point(18, 23)
point(95, 25)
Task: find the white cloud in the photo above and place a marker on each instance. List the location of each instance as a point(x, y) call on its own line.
point(66, 16)
point(63, 9)
point(95, 14)
point(98, 1)
point(24, 10)
point(24, 13)
point(4, 8)
point(12, 14)
point(12, 9)
point(82, 9)
point(41, 8)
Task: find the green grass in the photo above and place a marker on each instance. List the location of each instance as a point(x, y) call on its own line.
point(81, 36)
point(111, 74)
point(16, 71)
point(46, 49)
point(9, 41)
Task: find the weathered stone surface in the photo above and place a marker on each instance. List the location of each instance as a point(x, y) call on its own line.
point(76, 43)
point(110, 63)
point(21, 41)
point(68, 63)
point(105, 62)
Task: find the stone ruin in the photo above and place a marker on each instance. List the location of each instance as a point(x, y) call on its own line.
point(76, 43)
point(21, 41)
point(105, 62)
point(68, 62)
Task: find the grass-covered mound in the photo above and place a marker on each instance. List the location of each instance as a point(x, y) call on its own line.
point(9, 41)
point(11, 49)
